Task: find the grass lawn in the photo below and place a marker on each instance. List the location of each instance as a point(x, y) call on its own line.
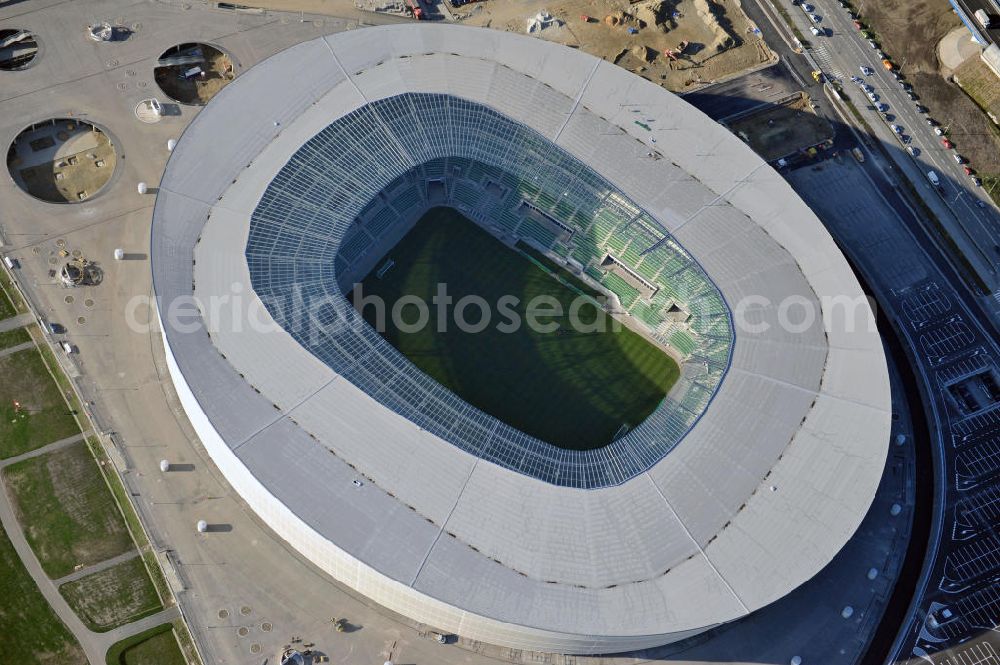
point(574, 388)
point(156, 646)
point(14, 337)
point(6, 306)
point(68, 515)
point(992, 185)
point(44, 416)
point(113, 597)
point(30, 632)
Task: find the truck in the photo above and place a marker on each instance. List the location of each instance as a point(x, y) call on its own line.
point(933, 177)
point(983, 18)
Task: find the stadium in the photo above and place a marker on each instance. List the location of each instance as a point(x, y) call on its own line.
point(723, 455)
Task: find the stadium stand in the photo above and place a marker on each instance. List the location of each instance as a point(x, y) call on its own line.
point(543, 196)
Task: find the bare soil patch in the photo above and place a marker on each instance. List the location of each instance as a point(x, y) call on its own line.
point(779, 131)
point(62, 160)
point(909, 31)
point(113, 597)
point(205, 70)
point(679, 44)
point(69, 516)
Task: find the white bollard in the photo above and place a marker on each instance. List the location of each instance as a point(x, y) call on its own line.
point(142, 188)
point(164, 465)
point(202, 526)
point(872, 573)
point(847, 612)
point(796, 660)
point(119, 254)
point(171, 144)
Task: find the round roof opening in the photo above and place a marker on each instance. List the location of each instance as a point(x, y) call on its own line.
point(62, 160)
point(193, 73)
point(18, 49)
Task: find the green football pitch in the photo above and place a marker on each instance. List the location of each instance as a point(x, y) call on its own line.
point(576, 387)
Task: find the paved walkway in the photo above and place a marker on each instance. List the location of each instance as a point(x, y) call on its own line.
point(92, 644)
point(956, 47)
point(97, 567)
point(24, 346)
point(55, 445)
point(95, 645)
point(15, 322)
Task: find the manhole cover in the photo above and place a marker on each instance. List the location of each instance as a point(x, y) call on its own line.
point(53, 260)
point(88, 302)
point(82, 320)
point(136, 27)
point(266, 627)
point(245, 610)
point(77, 253)
point(60, 243)
point(112, 63)
point(223, 614)
point(243, 631)
point(68, 300)
point(255, 648)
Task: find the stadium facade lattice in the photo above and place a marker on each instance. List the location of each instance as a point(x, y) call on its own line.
point(747, 479)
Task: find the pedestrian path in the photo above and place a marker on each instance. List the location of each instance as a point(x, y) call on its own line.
point(825, 62)
point(24, 346)
point(48, 448)
point(97, 567)
point(15, 322)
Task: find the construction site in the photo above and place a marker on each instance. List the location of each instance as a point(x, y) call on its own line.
point(62, 160)
point(784, 130)
point(193, 73)
point(678, 44)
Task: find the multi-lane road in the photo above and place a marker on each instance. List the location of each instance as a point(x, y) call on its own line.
point(992, 9)
point(840, 54)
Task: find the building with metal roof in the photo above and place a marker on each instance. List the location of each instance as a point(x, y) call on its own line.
point(747, 480)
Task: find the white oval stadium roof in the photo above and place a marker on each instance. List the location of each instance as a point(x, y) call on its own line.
point(760, 494)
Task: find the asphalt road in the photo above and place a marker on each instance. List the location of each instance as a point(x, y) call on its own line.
point(937, 319)
point(840, 54)
point(992, 9)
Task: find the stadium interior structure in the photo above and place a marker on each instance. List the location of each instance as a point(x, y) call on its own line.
point(344, 204)
point(741, 487)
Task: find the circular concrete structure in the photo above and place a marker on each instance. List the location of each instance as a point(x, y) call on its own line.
point(741, 486)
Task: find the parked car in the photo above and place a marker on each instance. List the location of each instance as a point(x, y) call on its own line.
point(968, 170)
point(958, 158)
point(871, 42)
point(882, 107)
point(815, 31)
point(938, 131)
point(896, 128)
point(913, 150)
point(867, 71)
point(947, 144)
point(921, 108)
